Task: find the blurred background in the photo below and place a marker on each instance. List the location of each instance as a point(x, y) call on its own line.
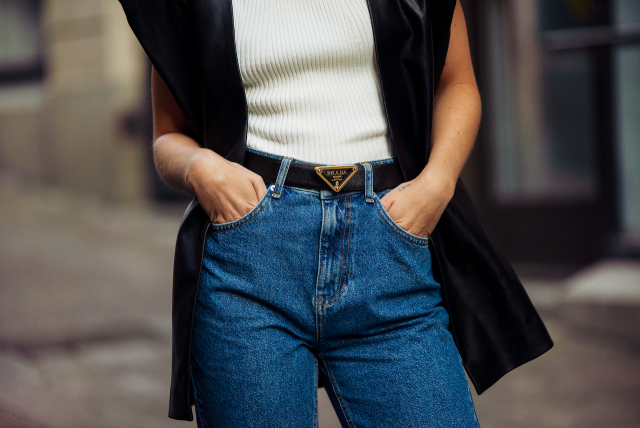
point(87, 228)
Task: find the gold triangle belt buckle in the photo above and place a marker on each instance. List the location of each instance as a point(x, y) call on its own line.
point(337, 176)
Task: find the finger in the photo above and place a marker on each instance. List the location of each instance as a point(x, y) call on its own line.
point(225, 215)
point(231, 207)
point(249, 195)
point(242, 198)
point(387, 200)
point(259, 186)
point(234, 214)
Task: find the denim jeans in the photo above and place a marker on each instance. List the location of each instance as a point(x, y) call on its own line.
point(316, 283)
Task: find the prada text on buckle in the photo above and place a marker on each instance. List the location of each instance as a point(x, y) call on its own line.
point(337, 176)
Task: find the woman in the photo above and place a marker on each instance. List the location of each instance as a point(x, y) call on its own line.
point(316, 263)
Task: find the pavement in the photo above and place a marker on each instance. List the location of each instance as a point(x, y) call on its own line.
point(85, 324)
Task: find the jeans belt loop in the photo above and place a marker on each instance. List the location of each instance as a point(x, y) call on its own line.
point(282, 176)
point(368, 182)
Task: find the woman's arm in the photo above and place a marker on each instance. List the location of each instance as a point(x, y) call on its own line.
point(226, 190)
point(418, 204)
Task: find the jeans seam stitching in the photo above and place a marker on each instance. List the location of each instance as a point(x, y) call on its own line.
point(319, 276)
point(342, 288)
point(343, 405)
point(225, 228)
point(406, 238)
point(341, 258)
point(302, 189)
point(335, 301)
point(344, 233)
point(346, 269)
point(320, 324)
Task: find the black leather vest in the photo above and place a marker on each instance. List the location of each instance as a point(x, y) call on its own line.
point(191, 44)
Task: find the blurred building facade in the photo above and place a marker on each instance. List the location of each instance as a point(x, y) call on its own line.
point(72, 76)
point(555, 171)
point(557, 164)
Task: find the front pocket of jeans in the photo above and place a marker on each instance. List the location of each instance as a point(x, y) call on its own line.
point(386, 218)
point(252, 214)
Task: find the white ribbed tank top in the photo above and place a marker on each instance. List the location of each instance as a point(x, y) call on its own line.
point(310, 79)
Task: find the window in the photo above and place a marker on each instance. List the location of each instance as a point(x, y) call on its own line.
point(626, 71)
point(545, 125)
point(20, 44)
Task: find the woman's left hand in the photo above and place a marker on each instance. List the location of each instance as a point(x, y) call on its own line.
point(416, 206)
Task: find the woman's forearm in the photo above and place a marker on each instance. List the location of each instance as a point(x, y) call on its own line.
point(177, 158)
point(418, 204)
point(456, 112)
point(456, 120)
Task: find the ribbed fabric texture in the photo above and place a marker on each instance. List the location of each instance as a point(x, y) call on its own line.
point(310, 77)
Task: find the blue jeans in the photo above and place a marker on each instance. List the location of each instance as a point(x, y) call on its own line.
point(317, 283)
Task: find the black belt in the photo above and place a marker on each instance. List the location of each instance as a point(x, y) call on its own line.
point(304, 175)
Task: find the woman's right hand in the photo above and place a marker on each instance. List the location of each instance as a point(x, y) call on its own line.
point(225, 190)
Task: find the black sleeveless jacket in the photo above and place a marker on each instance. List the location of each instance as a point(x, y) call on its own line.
point(191, 44)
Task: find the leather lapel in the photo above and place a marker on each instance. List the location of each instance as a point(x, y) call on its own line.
point(224, 104)
point(402, 35)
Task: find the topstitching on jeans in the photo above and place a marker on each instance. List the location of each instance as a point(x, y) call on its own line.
point(418, 240)
point(301, 189)
point(347, 232)
point(224, 227)
point(344, 232)
point(318, 276)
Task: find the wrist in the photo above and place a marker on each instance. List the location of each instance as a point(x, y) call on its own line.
point(196, 166)
point(440, 182)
